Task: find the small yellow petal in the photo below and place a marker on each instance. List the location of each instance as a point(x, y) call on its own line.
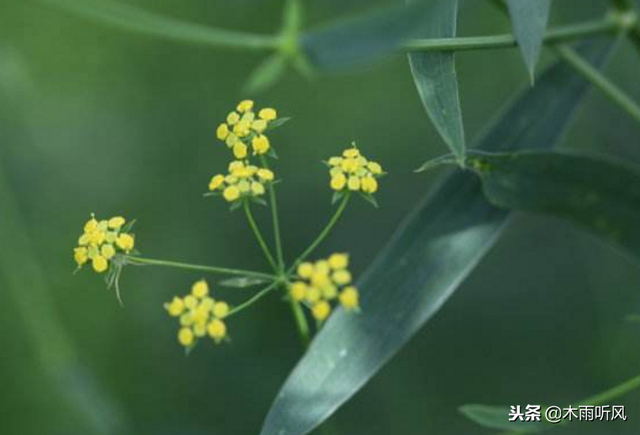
point(305, 270)
point(231, 193)
point(185, 337)
point(298, 291)
point(338, 182)
point(220, 310)
point(268, 114)
point(216, 182)
point(321, 310)
point(240, 150)
point(200, 289)
point(116, 222)
point(217, 330)
point(349, 298)
point(354, 183)
point(107, 251)
point(339, 261)
point(222, 131)
point(260, 144)
point(100, 264)
point(244, 106)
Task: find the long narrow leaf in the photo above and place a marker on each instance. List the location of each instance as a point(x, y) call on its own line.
point(365, 39)
point(432, 252)
point(599, 194)
point(529, 18)
point(133, 19)
point(436, 79)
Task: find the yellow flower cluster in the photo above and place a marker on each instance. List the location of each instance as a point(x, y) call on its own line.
point(101, 241)
point(243, 128)
point(353, 172)
point(199, 315)
point(322, 282)
point(243, 180)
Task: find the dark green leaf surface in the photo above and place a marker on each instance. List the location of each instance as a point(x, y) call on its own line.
point(366, 39)
point(436, 79)
point(497, 417)
point(596, 193)
point(529, 18)
point(431, 253)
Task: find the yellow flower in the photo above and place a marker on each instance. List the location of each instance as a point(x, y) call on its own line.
point(80, 255)
point(265, 175)
point(305, 270)
point(349, 298)
point(321, 310)
point(259, 125)
point(107, 251)
point(260, 144)
point(216, 182)
point(339, 261)
point(116, 222)
point(100, 264)
point(257, 188)
point(185, 337)
point(341, 277)
point(222, 131)
point(200, 289)
point(245, 106)
point(175, 307)
point(298, 291)
point(354, 172)
point(91, 225)
point(233, 118)
point(231, 193)
point(240, 150)
point(268, 114)
point(125, 242)
point(220, 310)
point(217, 330)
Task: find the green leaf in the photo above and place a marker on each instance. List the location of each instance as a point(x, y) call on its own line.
point(599, 194)
point(363, 40)
point(529, 19)
point(133, 19)
point(432, 252)
point(497, 417)
point(266, 74)
point(242, 282)
point(436, 79)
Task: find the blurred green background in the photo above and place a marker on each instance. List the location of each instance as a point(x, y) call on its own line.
point(93, 119)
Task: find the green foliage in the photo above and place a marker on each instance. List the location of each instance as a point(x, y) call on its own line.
point(365, 39)
point(436, 79)
point(599, 194)
point(529, 20)
point(432, 252)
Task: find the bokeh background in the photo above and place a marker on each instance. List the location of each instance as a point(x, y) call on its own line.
point(93, 119)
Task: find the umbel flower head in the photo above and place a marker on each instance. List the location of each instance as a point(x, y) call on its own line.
point(102, 240)
point(244, 128)
point(324, 282)
point(200, 315)
point(243, 181)
point(353, 172)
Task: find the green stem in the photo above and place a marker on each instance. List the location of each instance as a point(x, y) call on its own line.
point(275, 219)
point(325, 232)
point(301, 322)
point(615, 94)
point(599, 399)
point(138, 20)
point(258, 234)
point(553, 36)
point(187, 266)
point(255, 298)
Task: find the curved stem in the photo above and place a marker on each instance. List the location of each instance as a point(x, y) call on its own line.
point(258, 234)
point(323, 234)
point(187, 266)
point(553, 36)
point(301, 322)
point(255, 298)
point(274, 218)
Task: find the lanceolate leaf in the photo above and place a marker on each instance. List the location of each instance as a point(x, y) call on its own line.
point(597, 193)
point(529, 18)
point(363, 40)
point(435, 77)
point(432, 252)
point(497, 417)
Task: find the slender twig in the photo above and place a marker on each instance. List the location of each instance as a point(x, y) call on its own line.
point(274, 217)
point(552, 36)
point(259, 237)
point(255, 298)
point(323, 234)
point(135, 260)
point(613, 92)
point(138, 20)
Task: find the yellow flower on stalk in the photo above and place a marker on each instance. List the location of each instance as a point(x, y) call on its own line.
point(322, 282)
point(243, 128)
point(242, 181)
point(199, 315)
point(354, 172)
point(102, 241)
